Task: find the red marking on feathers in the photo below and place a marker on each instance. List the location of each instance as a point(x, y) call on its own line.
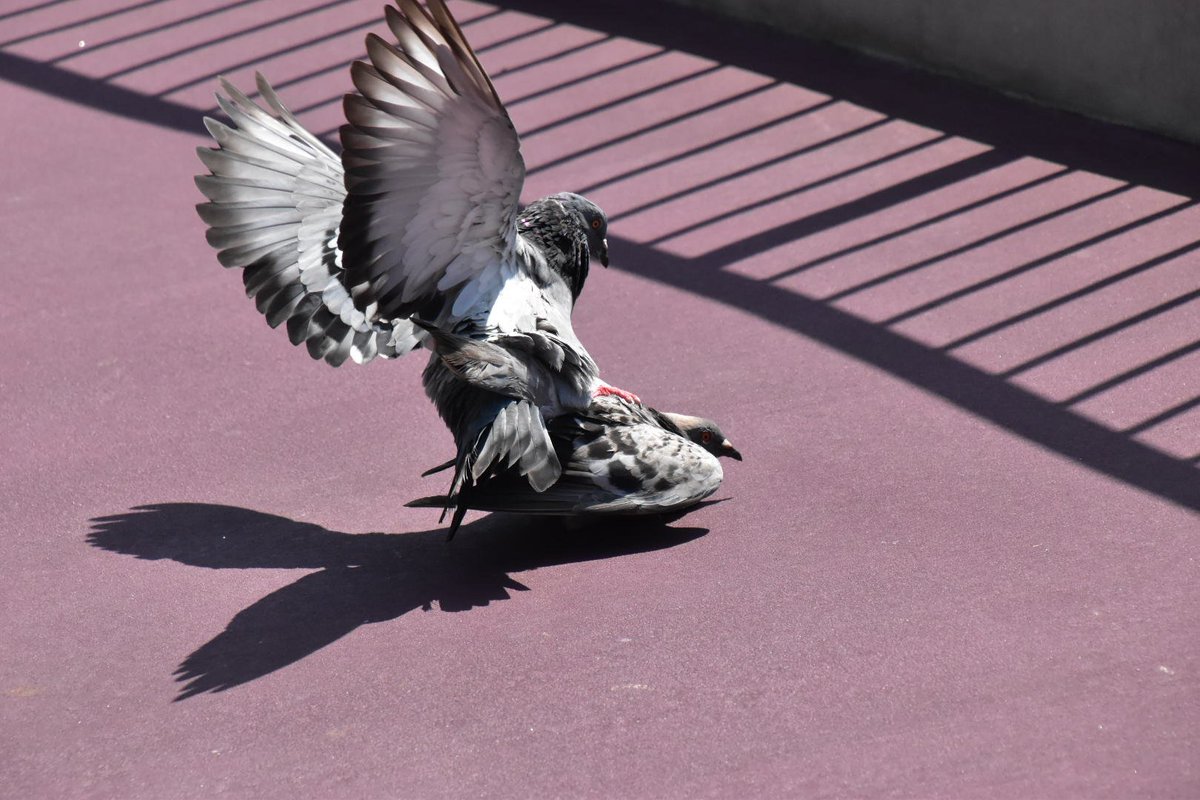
point(628, 397)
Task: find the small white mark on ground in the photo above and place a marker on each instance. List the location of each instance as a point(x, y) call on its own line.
point(623, 686)
point(1165, 670)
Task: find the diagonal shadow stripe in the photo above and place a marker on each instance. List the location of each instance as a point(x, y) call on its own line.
point(1130, 374)
point(944, 104)
point(75, 88)
point(682, 155)
point(239, 33)
point(143, 33)
point(970, 388)
point(750, 169)
point(977, 244)
point(677, 119)
point(30, 9)
point(75, 23)
point(803, 188)
point(1049, 258)
point(259, 58)
point(1069, 297)
point(869, 204)
point(569, 51)
point(513, 102)
point(926, 222)
point(636, 94)
point(1163, 416)
point(1103, 333)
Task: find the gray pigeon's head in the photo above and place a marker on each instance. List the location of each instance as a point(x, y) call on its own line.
point(705, 433)
point(595, 223)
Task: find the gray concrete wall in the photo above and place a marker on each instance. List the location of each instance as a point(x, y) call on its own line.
point(1135, 62)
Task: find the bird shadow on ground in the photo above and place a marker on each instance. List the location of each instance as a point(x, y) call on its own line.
point(355, 579)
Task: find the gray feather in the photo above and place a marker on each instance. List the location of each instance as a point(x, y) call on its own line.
point(275, 197)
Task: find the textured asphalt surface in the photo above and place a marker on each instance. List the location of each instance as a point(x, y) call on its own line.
point(956, 337)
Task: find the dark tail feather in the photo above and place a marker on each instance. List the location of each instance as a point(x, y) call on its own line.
point(460, 511)
point(444, 502)
point(439, 468)
point(431, 501)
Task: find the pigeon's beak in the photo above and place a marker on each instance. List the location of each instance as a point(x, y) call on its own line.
point(604, 252)
point(728, 449)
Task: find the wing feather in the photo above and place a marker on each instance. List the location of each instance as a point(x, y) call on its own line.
point(432, 165)
point(275, 194)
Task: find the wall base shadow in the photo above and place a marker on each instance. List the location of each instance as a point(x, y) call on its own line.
point(357, 578)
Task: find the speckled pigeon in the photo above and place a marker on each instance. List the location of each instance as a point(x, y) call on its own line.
point(418, 218)
point(619, 457)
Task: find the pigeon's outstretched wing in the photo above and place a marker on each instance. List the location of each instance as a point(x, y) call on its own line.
point(418, 213)
point(433, 172)
point(275, 196)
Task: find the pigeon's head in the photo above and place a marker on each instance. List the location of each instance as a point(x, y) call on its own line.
point(705, 433)
point(595, 223)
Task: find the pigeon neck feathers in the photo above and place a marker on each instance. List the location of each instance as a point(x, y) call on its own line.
point(558, 227)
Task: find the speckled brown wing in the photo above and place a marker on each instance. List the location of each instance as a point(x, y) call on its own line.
point(618, 458)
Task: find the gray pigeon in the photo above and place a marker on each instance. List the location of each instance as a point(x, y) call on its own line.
point(619, 456)
point(418, 218)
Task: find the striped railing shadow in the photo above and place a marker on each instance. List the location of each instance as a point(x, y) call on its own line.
point(1050, 289)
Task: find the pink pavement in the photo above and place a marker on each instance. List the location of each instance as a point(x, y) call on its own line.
point(955, 337)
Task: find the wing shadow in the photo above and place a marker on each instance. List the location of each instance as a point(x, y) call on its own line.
point(354, 579)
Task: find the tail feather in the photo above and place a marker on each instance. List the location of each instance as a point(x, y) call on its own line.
point(515, 435)
point(439, 468)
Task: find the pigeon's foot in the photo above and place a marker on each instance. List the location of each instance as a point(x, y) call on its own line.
point(605, 389)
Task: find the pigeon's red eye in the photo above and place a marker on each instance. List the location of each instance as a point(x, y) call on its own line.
point(706, 437)
point(595, 224)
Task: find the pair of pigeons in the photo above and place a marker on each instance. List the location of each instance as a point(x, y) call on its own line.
point(414, 237)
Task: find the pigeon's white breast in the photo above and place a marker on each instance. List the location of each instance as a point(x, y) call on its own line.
point(520, 302)
point(517, 304)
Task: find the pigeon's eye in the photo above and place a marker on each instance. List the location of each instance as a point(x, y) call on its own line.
point(595, 224)
point(706, 437)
